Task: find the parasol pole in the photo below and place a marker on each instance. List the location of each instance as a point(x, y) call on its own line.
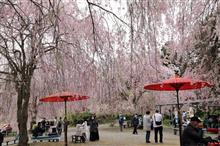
point(65, 124)
point(179, 117)
point(65, 107)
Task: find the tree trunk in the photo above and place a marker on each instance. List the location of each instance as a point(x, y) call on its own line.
point(23, 90)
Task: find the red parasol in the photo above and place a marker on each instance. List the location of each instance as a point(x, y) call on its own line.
point(61, 97)
point(176, 84)
point(64, 97)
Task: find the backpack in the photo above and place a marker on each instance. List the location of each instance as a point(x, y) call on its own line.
point(157, 122)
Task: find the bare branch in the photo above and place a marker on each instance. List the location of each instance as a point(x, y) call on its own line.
point(6, 54)
point(93, 25)
point(38, 5)
point(3, 72)
point(90, 3)
point(13, 6)
point(5, 79)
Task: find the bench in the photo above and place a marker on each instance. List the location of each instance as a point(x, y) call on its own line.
point(80, 134)
point(79, 138)
point(11, 140)
point(53, 138)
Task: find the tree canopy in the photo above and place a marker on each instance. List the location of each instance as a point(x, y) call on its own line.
point(107, 50)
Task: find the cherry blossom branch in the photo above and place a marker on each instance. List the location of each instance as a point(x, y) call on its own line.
point(90, 3)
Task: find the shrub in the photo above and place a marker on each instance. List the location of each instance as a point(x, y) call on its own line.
point(78, 117)
point(102, 119)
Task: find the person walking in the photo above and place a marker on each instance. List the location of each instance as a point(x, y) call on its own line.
point(121, 122)
point(147, 121)
point(135, 122)
point(158, 126)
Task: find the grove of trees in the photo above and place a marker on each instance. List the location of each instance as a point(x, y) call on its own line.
point(107, 50)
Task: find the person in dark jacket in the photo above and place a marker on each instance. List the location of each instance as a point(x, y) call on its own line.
point(135, 122)
point(1, 138)
point(191, 135)
point(94, 132)
point(59, 126)
point(121, 121)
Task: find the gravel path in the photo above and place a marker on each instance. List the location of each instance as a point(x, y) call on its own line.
point(111, 136)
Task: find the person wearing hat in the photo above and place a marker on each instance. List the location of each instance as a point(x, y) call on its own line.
point(191, 134)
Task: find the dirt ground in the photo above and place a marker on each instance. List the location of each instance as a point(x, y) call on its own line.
point(111, 136)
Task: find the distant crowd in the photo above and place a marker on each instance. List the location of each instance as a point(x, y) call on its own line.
point(51, 127)
point(149, 123)
point(55, 127)
point(192, 134)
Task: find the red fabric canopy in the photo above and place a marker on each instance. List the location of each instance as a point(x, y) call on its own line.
point(177, 83)
point(63, 96)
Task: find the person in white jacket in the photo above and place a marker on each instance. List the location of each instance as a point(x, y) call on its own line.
point(86, 128)
point(158, 126)
point(147, 121)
